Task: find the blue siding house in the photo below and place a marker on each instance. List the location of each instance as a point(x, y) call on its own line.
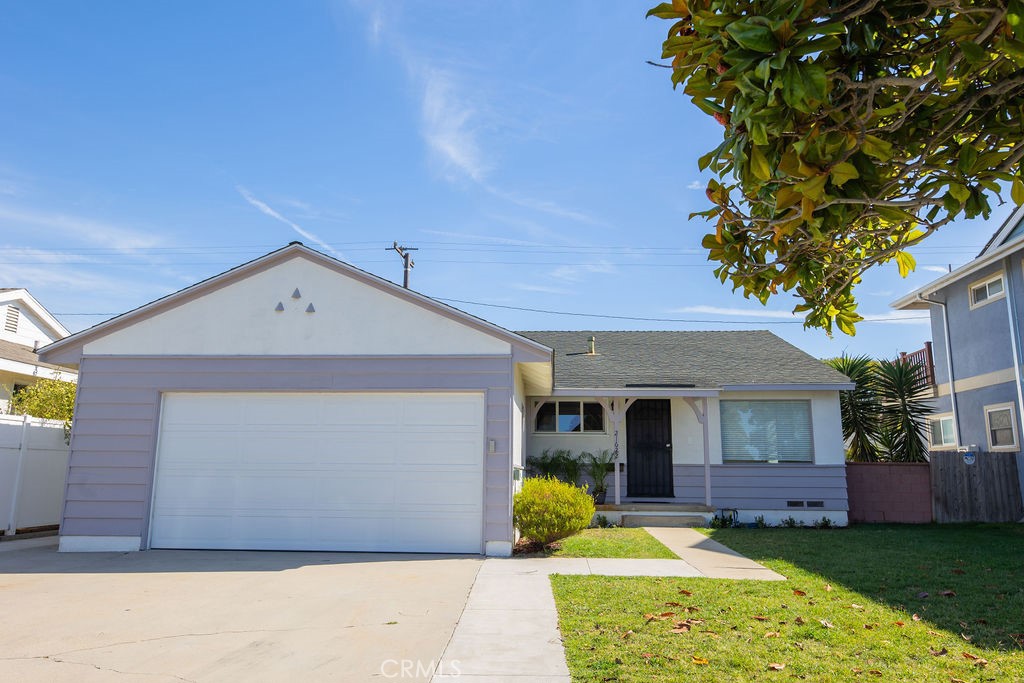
point(976, 317)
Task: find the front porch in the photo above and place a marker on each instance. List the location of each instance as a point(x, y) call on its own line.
point(665, 514)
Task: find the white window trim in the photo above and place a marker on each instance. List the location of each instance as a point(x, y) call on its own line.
point(979, 283)
point(581, 401)
point(941, 446)
point(1013, 424)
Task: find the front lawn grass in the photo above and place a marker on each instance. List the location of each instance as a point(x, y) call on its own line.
point(846, 613)
point(617, 542)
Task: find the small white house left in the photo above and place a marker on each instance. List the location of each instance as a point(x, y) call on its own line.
point(26, 327)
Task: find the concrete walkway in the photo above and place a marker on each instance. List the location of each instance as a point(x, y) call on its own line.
point(508, 632)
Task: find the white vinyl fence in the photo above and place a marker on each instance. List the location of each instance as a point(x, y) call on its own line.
point(33, 467)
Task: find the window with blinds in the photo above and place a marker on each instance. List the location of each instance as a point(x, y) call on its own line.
point(766, 431)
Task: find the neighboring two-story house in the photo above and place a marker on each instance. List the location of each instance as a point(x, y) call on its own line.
point(977, 316)
point(25, 326)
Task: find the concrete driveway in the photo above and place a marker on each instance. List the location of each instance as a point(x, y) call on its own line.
point(167, 615)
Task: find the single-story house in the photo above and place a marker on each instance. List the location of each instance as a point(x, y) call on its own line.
point(299, 403)
point(26, 327)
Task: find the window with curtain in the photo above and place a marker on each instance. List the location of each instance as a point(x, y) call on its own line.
point(766, 431)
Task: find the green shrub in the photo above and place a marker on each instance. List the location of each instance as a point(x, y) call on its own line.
point(547, 510)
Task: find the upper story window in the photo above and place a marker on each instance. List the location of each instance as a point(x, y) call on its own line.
point(570, 416)
point(987, 291)
point(1001, 427)
point(767, 431)
point(11, 321)
point(941, 433)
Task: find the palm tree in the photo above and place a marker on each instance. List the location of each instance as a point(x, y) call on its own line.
point(860, 408)
point(903, 392)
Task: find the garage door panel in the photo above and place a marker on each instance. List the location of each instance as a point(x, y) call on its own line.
point(374, 472)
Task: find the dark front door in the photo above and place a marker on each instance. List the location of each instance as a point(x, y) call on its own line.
point(649, 449)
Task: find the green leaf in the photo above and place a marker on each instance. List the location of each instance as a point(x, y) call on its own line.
point(905, 262)
point(842, 172)
point(967, 158)
point(663, 11)
point(759, 164)
point(752, 36)
point(974, 53)
point(959, 192)
point(877, 148)
point(1017, 191)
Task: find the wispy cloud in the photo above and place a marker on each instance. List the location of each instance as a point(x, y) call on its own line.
point(265, 209)
point(695, 185)
point(80, 229)
point(449, 124)
point(736, 312)
point(577, 273)
point(894, 317)
point(934, 269)
point(543, 205)
point(482, 238)
point(539, 288)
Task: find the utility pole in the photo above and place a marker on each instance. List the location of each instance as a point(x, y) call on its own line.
point(406, 259)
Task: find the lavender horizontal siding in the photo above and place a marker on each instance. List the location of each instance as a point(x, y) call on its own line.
point(759, 486)
point(110, 476)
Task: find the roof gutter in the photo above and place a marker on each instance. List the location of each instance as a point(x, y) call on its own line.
point(949, 363)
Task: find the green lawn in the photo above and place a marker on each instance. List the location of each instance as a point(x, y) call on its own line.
point(633, 543)
point(870, 603)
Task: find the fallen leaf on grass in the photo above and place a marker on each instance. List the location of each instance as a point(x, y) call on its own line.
point(659, 617)
point(916, 618)
point(685, 592)
point(826, 623)
point(711, 634)
point(874, 672)
point(948, 594)
point(870, 627)
point(673, 604)
point(681, 627)
point(698, 660)
point(899, 623)
point(966, 637)
point(957, 680)
point(800, 621)
point(774, 666)
point(828, 586)
point(959, 571)
point(857, 670)
point(627, 634)
point(933, 633)
point(771, 634)
point(922, 595)
point(938, 653)
point(978, 661)
point(759, 617)
point(647, 655)
point(798, 593)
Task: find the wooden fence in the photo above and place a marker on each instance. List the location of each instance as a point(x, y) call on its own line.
point(988, 490)
point(947, 489)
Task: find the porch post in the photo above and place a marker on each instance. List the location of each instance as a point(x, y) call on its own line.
point(707, 453)
point(702, 416)
point(616, 412)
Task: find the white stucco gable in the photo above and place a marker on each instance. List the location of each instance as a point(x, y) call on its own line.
point(333, 314)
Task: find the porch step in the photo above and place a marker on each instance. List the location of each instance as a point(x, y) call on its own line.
point(654, 507)
point(633, 521)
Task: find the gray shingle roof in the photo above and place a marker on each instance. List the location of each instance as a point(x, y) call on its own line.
point(23, 354)
point(699, 359)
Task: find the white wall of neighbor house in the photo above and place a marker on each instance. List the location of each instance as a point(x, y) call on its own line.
point(30, 330)
point(345, 321)
point(518, 421)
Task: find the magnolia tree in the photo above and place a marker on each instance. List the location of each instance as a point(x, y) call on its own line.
point(853, 129)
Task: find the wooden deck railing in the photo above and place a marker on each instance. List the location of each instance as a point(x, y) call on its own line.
point(923, 357)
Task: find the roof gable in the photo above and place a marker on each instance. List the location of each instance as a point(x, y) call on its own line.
point(294, 301)
point(677, 360)
point(40, 318)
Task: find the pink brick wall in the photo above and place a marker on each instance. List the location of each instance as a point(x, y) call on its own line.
point(889, 492)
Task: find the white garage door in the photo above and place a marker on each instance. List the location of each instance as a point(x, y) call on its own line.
point(371, 472)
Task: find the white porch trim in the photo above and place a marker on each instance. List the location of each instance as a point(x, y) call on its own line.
point(702, 416)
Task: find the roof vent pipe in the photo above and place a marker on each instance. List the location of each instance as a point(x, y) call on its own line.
point(592, 346)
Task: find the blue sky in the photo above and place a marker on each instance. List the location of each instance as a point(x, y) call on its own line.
point(526, 149)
